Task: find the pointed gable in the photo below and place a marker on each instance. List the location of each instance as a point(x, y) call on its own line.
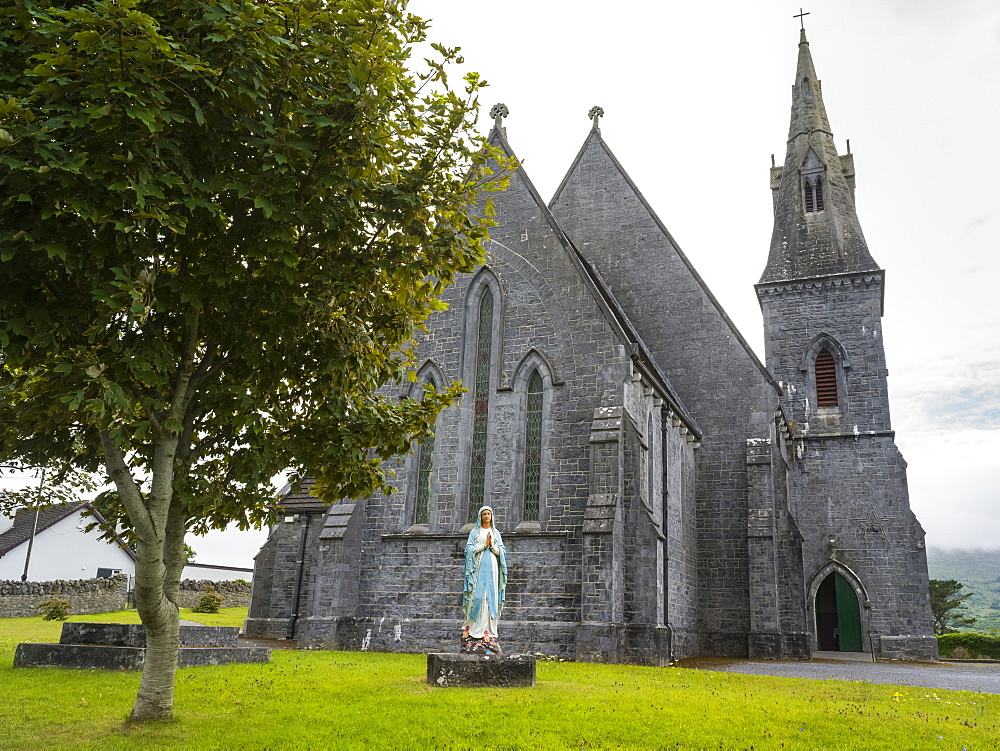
point(529, 234)
point(661, 293)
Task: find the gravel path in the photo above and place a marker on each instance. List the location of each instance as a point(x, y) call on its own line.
point(983, 678)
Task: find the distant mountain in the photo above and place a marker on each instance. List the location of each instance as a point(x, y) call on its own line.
point(979, 571)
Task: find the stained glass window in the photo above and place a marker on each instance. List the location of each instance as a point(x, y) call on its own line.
point(425, 463)
point(481, 404)
point(533, 448)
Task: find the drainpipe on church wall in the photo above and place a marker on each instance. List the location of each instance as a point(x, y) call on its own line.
point(290, 634)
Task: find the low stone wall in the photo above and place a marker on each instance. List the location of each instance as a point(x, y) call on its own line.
point(234, 594)
point(20, 599)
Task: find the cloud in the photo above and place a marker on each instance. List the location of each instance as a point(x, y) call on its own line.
point(954, 481)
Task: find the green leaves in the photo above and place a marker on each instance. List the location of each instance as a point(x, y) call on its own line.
point(220, 225)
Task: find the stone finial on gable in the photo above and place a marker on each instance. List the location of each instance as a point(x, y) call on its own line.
point(498, 112)
point(595, 114)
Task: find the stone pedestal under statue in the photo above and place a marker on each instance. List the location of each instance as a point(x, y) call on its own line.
point(480, 671)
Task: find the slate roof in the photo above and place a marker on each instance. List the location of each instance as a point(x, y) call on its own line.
point(594, 139)
point(298, 499)
point(604, 297)
point(24, 521)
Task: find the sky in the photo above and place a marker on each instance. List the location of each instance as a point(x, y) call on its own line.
point(697, 99)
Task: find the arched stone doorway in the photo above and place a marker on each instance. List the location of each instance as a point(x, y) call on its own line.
point(838, 615)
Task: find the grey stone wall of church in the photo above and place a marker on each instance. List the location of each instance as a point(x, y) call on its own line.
point(409, 576)
point(849, 478)
point(848, 309)
point(703, 356)
point(280, 591)
point(877, 539)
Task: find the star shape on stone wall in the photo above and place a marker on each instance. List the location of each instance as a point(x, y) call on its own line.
point(874, 525)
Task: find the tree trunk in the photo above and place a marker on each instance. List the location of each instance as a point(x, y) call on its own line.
point(159, 560)
point(155, 700)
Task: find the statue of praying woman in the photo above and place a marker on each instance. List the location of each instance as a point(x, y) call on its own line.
point(485, 582)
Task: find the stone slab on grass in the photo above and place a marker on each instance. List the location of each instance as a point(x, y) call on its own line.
point(480, 671)
point(122, 646)
point(134, 635)
point(101, 657)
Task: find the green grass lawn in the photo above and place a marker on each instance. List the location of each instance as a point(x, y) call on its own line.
point(356, 700)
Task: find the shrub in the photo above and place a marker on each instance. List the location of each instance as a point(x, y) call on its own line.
point(209, 601)
point(976, 645)
point(54, 609)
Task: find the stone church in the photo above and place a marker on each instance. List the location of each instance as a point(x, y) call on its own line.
point(661, 492)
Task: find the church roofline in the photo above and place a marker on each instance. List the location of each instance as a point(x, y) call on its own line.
point(596, 133)
point(602, 294)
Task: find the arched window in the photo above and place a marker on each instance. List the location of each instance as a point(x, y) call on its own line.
point(532, 448)
point(481, 403)
point(826, 379)
point(425, 465)
point(813, 194)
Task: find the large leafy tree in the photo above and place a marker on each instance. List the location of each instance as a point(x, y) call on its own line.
point(947, 605)
point(220, 223)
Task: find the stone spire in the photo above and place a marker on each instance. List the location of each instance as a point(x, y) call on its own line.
point(816, 228)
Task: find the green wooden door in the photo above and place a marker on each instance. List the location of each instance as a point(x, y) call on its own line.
point(848, 616)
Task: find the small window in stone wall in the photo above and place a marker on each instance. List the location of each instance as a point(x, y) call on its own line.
point(533, 448)
point(813, 194)
point(826, 380)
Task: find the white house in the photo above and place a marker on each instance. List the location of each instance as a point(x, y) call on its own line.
point(61, 548)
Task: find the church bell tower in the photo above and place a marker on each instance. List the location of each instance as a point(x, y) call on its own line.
point(821, 295)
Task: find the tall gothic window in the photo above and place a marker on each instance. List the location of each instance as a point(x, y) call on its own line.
point(826, 379)
point(819, 194)
point(481, 403)
point(532, 448)
point(425, 465)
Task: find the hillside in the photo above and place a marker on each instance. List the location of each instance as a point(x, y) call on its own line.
point(979, 571)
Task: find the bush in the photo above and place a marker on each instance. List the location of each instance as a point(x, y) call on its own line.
point(54, 609)
point(209, 602)
point(975, 645)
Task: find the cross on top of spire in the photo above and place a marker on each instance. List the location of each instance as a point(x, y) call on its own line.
point(801, 16)
point(595, 114)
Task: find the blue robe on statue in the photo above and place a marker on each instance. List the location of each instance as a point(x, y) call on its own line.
point(485, 580)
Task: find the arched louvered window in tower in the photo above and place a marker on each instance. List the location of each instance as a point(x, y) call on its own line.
point(826, 379)
point(819, 194)
point(532, 448)
point(425, 465)
point(808, 187)
point(481, 404)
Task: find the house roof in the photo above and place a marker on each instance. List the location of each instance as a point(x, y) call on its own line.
point(48, 516)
